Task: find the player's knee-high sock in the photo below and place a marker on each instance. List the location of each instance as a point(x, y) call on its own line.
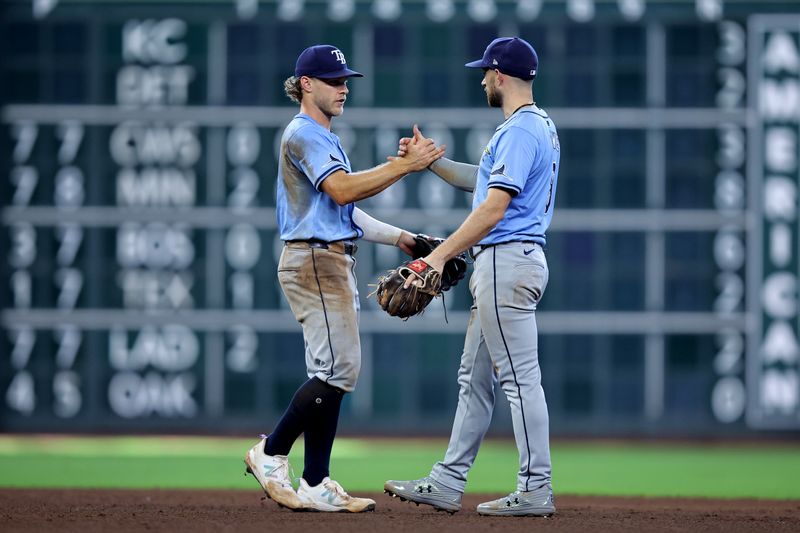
point(297, 418)
point(320, 433)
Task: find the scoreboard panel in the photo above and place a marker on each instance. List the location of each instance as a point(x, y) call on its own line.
point(139, 242)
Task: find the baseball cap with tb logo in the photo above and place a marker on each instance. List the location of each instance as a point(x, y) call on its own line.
point(323, 61)
point(510, 55)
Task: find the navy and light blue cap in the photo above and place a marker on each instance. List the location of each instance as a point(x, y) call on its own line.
point(323, 61)
point(510, 55)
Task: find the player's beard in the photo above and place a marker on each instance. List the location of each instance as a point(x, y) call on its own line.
point(494, 97)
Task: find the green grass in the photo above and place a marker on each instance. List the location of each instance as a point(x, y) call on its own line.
point(596, 468)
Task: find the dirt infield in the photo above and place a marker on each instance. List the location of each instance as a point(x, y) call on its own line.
point(162, 510)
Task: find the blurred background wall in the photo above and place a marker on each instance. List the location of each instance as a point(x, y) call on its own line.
point(138, 247)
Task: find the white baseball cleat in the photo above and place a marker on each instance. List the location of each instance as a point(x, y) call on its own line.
point(272, 473)
point(331, 497)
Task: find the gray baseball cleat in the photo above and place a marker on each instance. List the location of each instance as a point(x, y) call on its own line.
point(539, 502)
point(427, 491)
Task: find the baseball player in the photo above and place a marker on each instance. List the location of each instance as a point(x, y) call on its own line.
point(319, 224)
point(514, 192)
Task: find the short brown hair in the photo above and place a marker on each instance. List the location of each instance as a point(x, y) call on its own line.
point(291, 86)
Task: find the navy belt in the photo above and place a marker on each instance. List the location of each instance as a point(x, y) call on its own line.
point(478, 249)
point(342, 247)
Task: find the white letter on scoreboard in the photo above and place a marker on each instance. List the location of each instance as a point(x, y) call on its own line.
point(781, 54)
point(780, 344)
point(779, 391)
point(780, 147)
point(780, 295)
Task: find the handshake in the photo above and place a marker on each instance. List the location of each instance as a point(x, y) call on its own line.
point(417, 153)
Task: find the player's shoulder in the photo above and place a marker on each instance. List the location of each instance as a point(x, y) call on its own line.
point(532, 121)
point(532, 115)
point(298, 123)
point(521, 128)
point(303, 129)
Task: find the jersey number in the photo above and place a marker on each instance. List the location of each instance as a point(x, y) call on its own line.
point(550, 193)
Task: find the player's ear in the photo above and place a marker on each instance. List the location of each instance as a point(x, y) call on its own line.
point(305, 83)
point(499, 76)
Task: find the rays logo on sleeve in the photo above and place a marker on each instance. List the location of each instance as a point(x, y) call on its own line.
point(500, 171)
point(333, 161)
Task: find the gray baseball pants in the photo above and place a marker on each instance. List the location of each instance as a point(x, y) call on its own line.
point(501, 344)
point(320, 286)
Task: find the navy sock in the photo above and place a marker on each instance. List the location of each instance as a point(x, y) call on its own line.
point(295, 420)
point(320, 433)
point(314, 410)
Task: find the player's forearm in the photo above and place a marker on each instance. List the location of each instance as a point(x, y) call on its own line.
point(461, 175)
point(476, 226)
point(375, 230)
point(368, 183)
point(347, 188)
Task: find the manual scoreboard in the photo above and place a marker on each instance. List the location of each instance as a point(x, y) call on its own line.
point(138, 245)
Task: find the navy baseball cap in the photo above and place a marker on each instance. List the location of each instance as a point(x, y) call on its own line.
point(323, 61)
point(510, 55)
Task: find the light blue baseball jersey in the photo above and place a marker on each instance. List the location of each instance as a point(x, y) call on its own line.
point(309, 154)
point(522, 158)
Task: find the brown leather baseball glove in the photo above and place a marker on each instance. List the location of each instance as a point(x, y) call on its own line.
point(406, 302)
point(454, 269)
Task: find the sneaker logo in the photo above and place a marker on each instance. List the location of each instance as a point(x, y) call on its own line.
point(513, 503)
point(329, 495)
point(268, 469)
point(528, 252)
point(424, 488)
